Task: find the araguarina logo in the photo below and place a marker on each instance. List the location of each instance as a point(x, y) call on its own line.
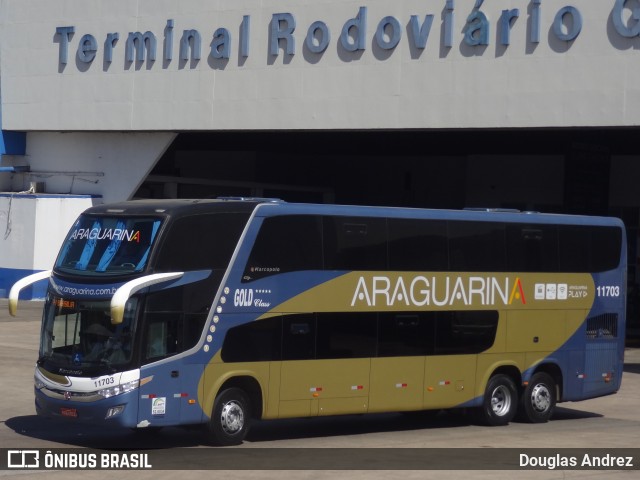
point(420, 291)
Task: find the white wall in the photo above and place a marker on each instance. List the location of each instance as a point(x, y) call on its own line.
point(111, 165)
point(589, 81)
point(17, 231)
point(5, 180)
point(32, 229)
point(79, 170)
point(53, 219)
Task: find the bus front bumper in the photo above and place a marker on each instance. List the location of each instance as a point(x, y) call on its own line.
point(118, 410)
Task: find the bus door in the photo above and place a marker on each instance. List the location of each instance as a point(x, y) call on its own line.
point(326, 365)
point(160, 395)
point(169, 395)
point(161, 381)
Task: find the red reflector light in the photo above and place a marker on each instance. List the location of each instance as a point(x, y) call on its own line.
point(69, 412)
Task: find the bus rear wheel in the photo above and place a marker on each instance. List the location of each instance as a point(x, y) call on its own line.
point(500, 401)
point(230, 419)
point(538, 399)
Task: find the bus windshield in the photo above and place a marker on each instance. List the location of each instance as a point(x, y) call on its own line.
point(108, 245)
point(77, 336)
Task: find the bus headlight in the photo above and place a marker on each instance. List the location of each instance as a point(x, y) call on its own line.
point(119, 389)
point(39, 384)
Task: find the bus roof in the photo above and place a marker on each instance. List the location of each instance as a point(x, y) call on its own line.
point(270, 207)
point(173, 207)
point(488, 215)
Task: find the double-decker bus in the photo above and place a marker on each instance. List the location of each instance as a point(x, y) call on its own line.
point(219, 312)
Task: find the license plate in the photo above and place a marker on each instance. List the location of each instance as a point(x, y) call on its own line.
point(69, 412)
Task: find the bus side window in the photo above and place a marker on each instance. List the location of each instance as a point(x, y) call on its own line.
point(299, 337)
point(156, 344)
point(477, 246)
point(206, 248)
point(465, 332)
point(162, 337)
point(418, 245)
point(406, 334)
point(355, 243)
point(346, 335)
point(532, 248)
point(286, 243)
point(256, 341)
point(589, 248)
point(606, 243)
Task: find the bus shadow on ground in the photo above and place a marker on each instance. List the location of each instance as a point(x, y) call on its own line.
point(316, 427)
point(67, 434)
point(632, 367)
point(340, 425)
point(562, 413)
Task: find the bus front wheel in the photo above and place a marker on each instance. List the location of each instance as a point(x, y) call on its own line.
point(538, 399)
point(230, 419)
point(500, 401)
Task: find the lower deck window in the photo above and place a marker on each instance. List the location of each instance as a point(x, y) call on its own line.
point(361, 335)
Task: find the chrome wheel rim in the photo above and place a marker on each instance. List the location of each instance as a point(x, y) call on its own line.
point(500, 401)
point(540, 398)
point(232, 417)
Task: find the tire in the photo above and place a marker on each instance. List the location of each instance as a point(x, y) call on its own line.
point(538, 399)
point(500, 402)
point(230, 419)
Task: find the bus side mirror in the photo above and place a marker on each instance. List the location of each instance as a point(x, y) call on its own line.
point(125, 291)
point(14, 293)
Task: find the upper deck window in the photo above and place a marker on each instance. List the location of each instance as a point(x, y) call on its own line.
point(108, 245)
point(290, 243)
point(200, 242)
point(286, 243)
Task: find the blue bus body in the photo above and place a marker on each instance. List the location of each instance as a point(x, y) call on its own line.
point(343, 279)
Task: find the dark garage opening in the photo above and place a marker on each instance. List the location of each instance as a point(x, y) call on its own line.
point(565, 170)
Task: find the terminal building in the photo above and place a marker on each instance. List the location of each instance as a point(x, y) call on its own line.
point(519, 104)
